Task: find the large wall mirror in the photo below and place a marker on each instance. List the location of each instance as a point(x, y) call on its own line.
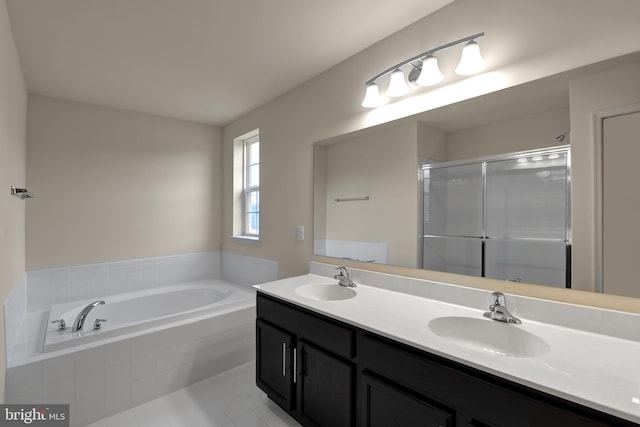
point(481, 187)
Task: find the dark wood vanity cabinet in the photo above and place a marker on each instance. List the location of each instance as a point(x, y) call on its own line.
point(307, 364)
point(450, 394)
point(274, 366)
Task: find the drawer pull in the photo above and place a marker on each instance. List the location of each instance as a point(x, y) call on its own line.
point(284, 359)
point(295, 366)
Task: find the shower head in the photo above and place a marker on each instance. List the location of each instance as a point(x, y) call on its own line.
point(562, 136)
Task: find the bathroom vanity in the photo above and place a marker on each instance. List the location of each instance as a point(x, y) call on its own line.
point(330, 356)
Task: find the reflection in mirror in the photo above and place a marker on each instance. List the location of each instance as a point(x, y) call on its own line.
point(377, 171)
point(368, 184)
point(504, 217)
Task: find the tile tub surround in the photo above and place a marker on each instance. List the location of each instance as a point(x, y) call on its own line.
point(26, 306)
point(104, 379)
point(212, 346)
point(14, 309)
point(61, 285)
point(584, 365)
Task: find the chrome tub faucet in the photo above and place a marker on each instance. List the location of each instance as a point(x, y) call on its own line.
point(79, 322)
point(343, 278)
point(498, 310)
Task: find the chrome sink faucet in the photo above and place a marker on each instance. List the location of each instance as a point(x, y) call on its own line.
point(79, 322)
point(498, 310)
point(343, 278)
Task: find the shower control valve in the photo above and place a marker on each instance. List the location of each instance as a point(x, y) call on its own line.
point(98, 324)
point(61, 324)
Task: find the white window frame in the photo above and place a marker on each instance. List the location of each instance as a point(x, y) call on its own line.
point(242, 190)
point(248, 190)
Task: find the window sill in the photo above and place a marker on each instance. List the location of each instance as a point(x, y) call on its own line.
point(246, 240)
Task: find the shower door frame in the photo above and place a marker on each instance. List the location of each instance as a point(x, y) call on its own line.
point(483, 161)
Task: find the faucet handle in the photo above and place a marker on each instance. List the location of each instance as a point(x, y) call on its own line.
point(342, 272)
point(61, 324)
point(497, 299)
point(98, 324)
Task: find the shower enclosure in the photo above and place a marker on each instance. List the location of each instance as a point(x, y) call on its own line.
point(505, 217)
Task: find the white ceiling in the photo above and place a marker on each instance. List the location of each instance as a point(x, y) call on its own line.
point(208, 61)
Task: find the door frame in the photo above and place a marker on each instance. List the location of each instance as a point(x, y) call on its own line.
point(598, 118)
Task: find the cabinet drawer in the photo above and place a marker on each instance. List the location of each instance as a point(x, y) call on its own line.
point(468, 390)
point(324, 332)
point(385, 405)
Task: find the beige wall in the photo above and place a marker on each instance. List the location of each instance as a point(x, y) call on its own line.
point(599, 92)
point(432, 144)
point(13, 142)
point(113, 185)
point(383, 166)
point(508, 136)
point(525, 41)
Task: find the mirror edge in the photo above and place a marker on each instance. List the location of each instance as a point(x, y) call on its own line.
point(562, 295)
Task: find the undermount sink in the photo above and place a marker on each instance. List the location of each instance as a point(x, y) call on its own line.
point(490, 336)
point(325, 291)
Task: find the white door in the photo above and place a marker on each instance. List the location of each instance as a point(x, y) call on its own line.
point(621, 204)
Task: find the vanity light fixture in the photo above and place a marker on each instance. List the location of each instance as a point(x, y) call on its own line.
point(471, 61)
point(397, 84)
point(423, 71)
point(430, 73)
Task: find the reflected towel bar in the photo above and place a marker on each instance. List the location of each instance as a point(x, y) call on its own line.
point(351, 199)
point(21, 193)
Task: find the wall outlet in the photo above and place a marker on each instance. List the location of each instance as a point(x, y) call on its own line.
point(300, 232)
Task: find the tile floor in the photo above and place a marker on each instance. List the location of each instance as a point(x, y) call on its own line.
point(230, 399)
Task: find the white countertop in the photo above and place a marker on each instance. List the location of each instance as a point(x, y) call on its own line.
point(591, 369)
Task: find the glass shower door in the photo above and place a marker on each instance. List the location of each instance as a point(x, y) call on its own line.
point(527, 218)
point(453, 218)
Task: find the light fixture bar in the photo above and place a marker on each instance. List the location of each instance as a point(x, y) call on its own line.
point(424, 54)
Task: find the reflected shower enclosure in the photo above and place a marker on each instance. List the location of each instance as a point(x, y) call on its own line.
point(504, 217)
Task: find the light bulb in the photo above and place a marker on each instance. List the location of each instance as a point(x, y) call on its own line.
point(430, 74)
point(397, 84)
point(372, 98)
point(471, 61)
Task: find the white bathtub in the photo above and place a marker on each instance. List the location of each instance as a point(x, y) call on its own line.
point(136, 311)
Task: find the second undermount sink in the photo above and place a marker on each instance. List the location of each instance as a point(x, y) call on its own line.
point(490, 336)
point(325, 291)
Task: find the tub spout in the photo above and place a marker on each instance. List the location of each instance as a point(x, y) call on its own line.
point(79, 322)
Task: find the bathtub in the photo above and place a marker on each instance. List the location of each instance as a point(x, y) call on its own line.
point(142, 310)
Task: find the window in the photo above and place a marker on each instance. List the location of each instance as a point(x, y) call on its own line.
point(246, 186)
point(252, 187)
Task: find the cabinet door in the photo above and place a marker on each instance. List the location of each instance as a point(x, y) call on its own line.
point(384, 405)
point(274, 370)
point(326, 388)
